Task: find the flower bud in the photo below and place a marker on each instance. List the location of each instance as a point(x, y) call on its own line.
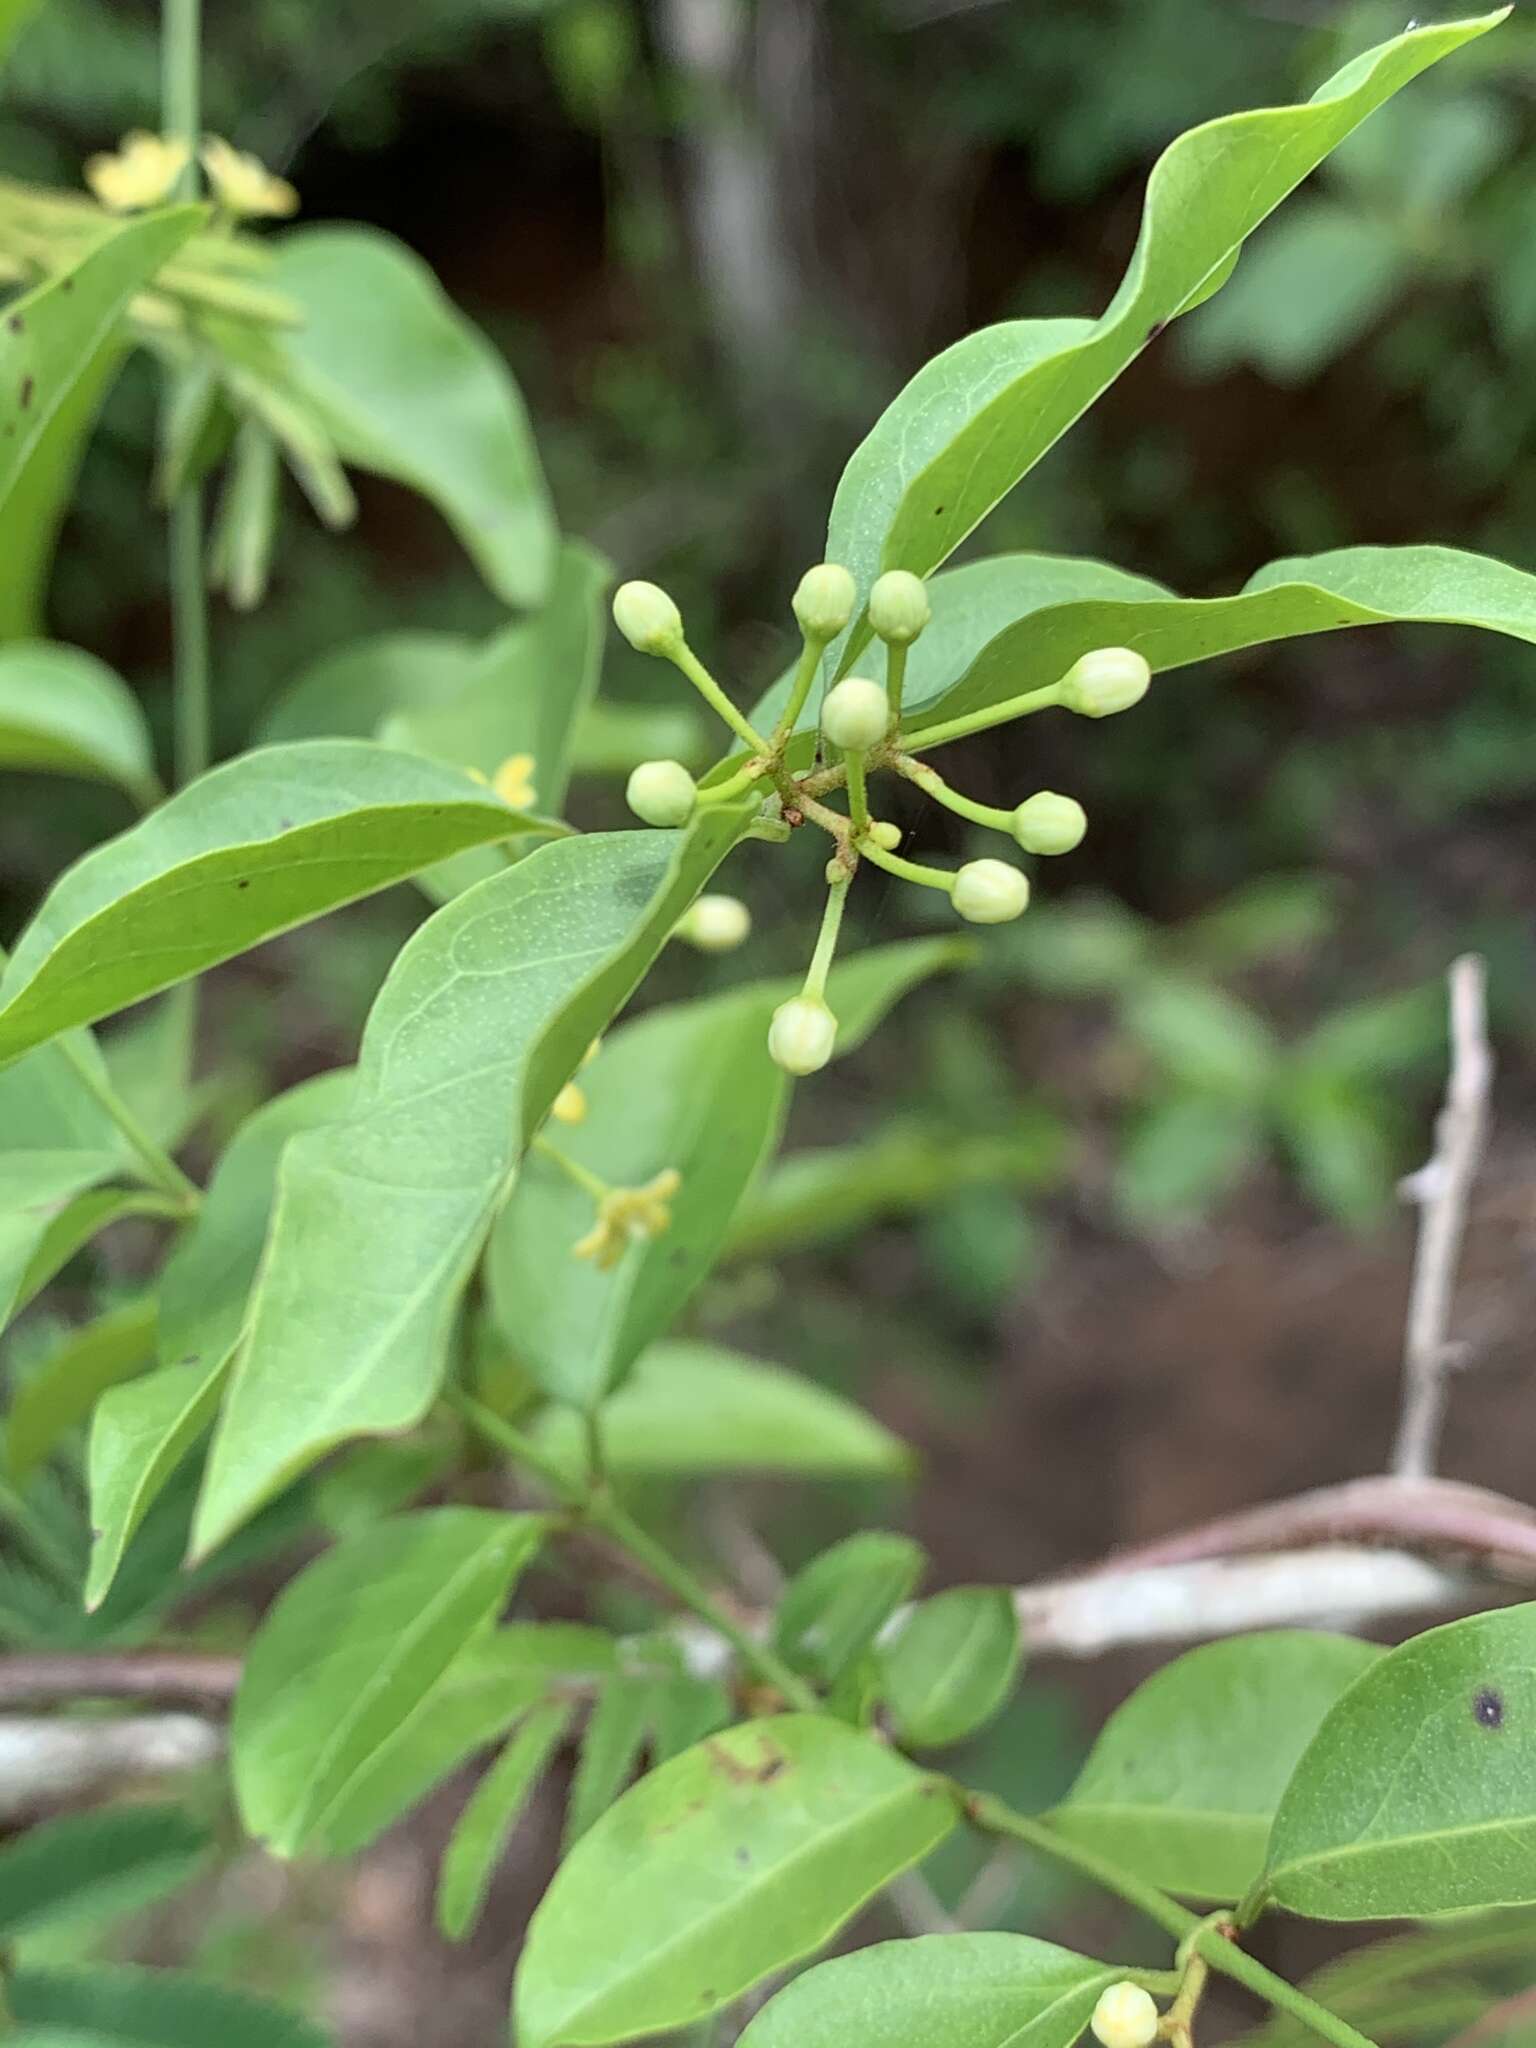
point(570, 1105)
point(856, 714)
point(990, 892)
point(899, 607)
point(825, 600)
point(662, 793)
point(1125, 2017)
point(1048, 823)
point(647, 618)
point(1109, 679)
point(802, 1035)
point(885, 834)
point(716, 924)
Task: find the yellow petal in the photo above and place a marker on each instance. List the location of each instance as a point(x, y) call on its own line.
point(512, 782)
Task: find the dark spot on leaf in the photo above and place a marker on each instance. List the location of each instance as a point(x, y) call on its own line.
point(244, 882)
point(28, 386)
point(1488, 1708)
point(937, 510)
point(744, 1857)
point(285, 824)
point(771, 1767)
point(66, 284)
point(16, 323)
point(1155, 330)
point(706, 1997)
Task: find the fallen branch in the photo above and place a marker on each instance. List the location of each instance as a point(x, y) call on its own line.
point(161, 1678)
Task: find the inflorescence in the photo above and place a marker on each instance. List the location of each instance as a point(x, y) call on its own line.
point(862, 732)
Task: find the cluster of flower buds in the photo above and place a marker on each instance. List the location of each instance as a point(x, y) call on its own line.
point(862, 732)
point(145, 170)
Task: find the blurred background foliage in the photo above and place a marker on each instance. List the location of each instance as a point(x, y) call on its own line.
point(713, 240)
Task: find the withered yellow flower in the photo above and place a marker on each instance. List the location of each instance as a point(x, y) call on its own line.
point(143, 172)
point(242, 183)
point(627, 1216)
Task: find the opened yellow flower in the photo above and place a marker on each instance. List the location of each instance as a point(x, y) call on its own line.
point(143, 172)
point(570, 1105)
point(627, 1216)
point(513, 783)
point(242, 183)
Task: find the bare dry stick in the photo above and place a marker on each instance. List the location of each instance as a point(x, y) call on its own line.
point(1443, 1190)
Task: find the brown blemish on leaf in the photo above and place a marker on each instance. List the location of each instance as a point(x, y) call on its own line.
point(16, 324)
point(772, 1763)
point(1488, 1708)
point(28, 386)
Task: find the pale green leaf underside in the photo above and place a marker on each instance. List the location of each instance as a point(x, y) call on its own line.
point(407, 387)
point(1417, 1794)
point(484, 1827)
point(250, 850)
point(380, 1217)
point(697, 1408)
point(735, 1859)
point(975, 419)
point(63, 711)
point(352, 1647)
point(938, 1991)
point(1182, 1785)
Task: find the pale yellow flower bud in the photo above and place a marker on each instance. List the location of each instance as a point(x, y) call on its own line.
point(144, 172)
point(647, 617)
point(899, 607)
point(662, 793)
point(802, 1035)
point(1047, 823)
point(1109, 679)
point(1125, 2017)
point(824, 601)
point(990, 892)
point(856, 714)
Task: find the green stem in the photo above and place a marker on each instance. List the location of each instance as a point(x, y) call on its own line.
point(982, 721)
point(909, 870)
point(684, 658)
point(800, 689)
point(826, 938)
point(858, 792)
point(605, 1513)
point(932, 781)
point(895, 678)
point(734, 785)
point(590, 1183)
point(1216, 1949)
point(159, 1168)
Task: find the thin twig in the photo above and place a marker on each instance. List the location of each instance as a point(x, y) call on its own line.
point(1443, 1190)
point(158, 1677)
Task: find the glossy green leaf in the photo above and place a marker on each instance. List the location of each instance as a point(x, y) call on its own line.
point(689, 1086)
point(485, 1826)
point(734, 1860)
point(408, 388)
point(1182, 1785)
point(1417, 1794)
point(351, 690)
point(351, 1649)
point(89, 1865)
point(973, 421)
point(142, 1431)
point(835, 1606)
point(1283, 601)
point(65, 1384)
point(74, 1226)
point(611, 1744)
point(59, 346)
point(252, 849)
point(938, 1991)
point(381, 1217)
point(697, 1408)
point(63, 710)
point(950, 1665)
point(119, 2003)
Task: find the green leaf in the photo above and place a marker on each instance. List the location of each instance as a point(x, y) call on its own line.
point(611, 1744)
point(1202, 1037)
point(1182, 1156)
point(381, 1217)
point(697, 1408)
point(1417, 1794)
point(38, 1191)
point(974, 420)
point(72, 1229)
point(245, 530)
point(142, 1431)
point(1283, 601)
point(689, 1086)
point(938, 1991)
point(350, 1650)
point(252, 849)
point(485, 1826)
point(734, 1860)
point(835, 1606)
point(59, 347)
point(119, 2003)
point(951, 1665)
point(1341, 1141)
point(1181, 1787)
point(63, 1386)
point(63, 710)
point(407, 387)
point(349, 692)
point(90, 1865)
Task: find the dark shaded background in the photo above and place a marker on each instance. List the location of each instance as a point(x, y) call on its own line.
point(713, 241)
